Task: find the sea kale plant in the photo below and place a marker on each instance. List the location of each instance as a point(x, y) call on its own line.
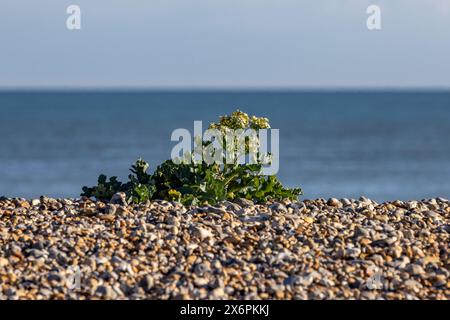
point(194, 182)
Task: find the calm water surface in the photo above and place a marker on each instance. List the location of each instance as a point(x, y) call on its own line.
point(341, 144)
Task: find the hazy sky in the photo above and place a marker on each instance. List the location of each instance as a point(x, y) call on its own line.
point(225, 43)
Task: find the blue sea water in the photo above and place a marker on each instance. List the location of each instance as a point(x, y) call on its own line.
point(383, 145)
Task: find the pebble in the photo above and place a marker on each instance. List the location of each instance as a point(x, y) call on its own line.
point(202, 233)
point(105, 291)
point(314, 249)
point(439, 280)
point(333, 202)
point(412, 285)
point(361, 232)
point(147, 283)
point(110, 209)
point(119, 198)
point(279, 207)
point(244, 202)
point(415, 269)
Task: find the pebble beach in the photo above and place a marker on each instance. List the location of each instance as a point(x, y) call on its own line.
point(312, 249)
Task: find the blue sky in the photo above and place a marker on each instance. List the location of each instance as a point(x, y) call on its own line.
point(225, 43)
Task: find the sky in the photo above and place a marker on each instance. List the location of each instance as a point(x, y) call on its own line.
point(224, 44)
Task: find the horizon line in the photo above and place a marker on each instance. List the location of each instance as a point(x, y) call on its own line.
point(225, 89)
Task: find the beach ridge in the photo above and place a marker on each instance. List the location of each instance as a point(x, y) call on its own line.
point(310, 249)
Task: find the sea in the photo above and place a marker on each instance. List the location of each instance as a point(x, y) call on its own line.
point(343, 144)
